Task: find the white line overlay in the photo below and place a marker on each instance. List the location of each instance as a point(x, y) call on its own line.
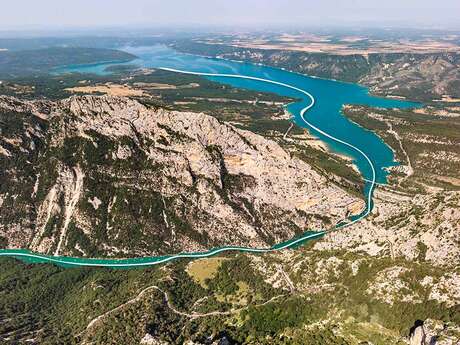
point(302, 115)
point(68, 261)
point(65, 261)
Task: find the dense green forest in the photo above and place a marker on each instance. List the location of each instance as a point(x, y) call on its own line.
point(55, 305)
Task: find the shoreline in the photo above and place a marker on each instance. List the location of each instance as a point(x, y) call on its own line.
point(286, 244)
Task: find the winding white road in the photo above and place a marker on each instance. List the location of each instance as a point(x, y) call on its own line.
point(67, 261)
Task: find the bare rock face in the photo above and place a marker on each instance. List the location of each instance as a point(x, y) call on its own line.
point(422, 228)
point(418, 337)
point(150, 340)
point(108, 176)
point(434, 332)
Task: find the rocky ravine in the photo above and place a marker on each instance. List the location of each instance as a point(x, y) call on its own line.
point(97, 176)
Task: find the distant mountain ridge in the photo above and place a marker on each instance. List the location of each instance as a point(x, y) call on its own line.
point(417, 76)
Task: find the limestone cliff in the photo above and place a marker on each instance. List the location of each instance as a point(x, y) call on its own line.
point(96, 176)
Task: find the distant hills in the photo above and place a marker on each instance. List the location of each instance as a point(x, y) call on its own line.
point(23, 63)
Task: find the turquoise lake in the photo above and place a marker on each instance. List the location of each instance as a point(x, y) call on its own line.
point(330, 96)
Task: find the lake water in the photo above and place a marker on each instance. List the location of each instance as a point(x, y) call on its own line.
point(330, 96)
point(326, 115)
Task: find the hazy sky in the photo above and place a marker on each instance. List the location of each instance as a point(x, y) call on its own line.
point(90, 13)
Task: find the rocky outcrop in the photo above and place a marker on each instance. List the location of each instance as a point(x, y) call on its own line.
point(423, 228)
point(433, 332)
point(150, 340)
point(163, 181)
point(418, 337)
